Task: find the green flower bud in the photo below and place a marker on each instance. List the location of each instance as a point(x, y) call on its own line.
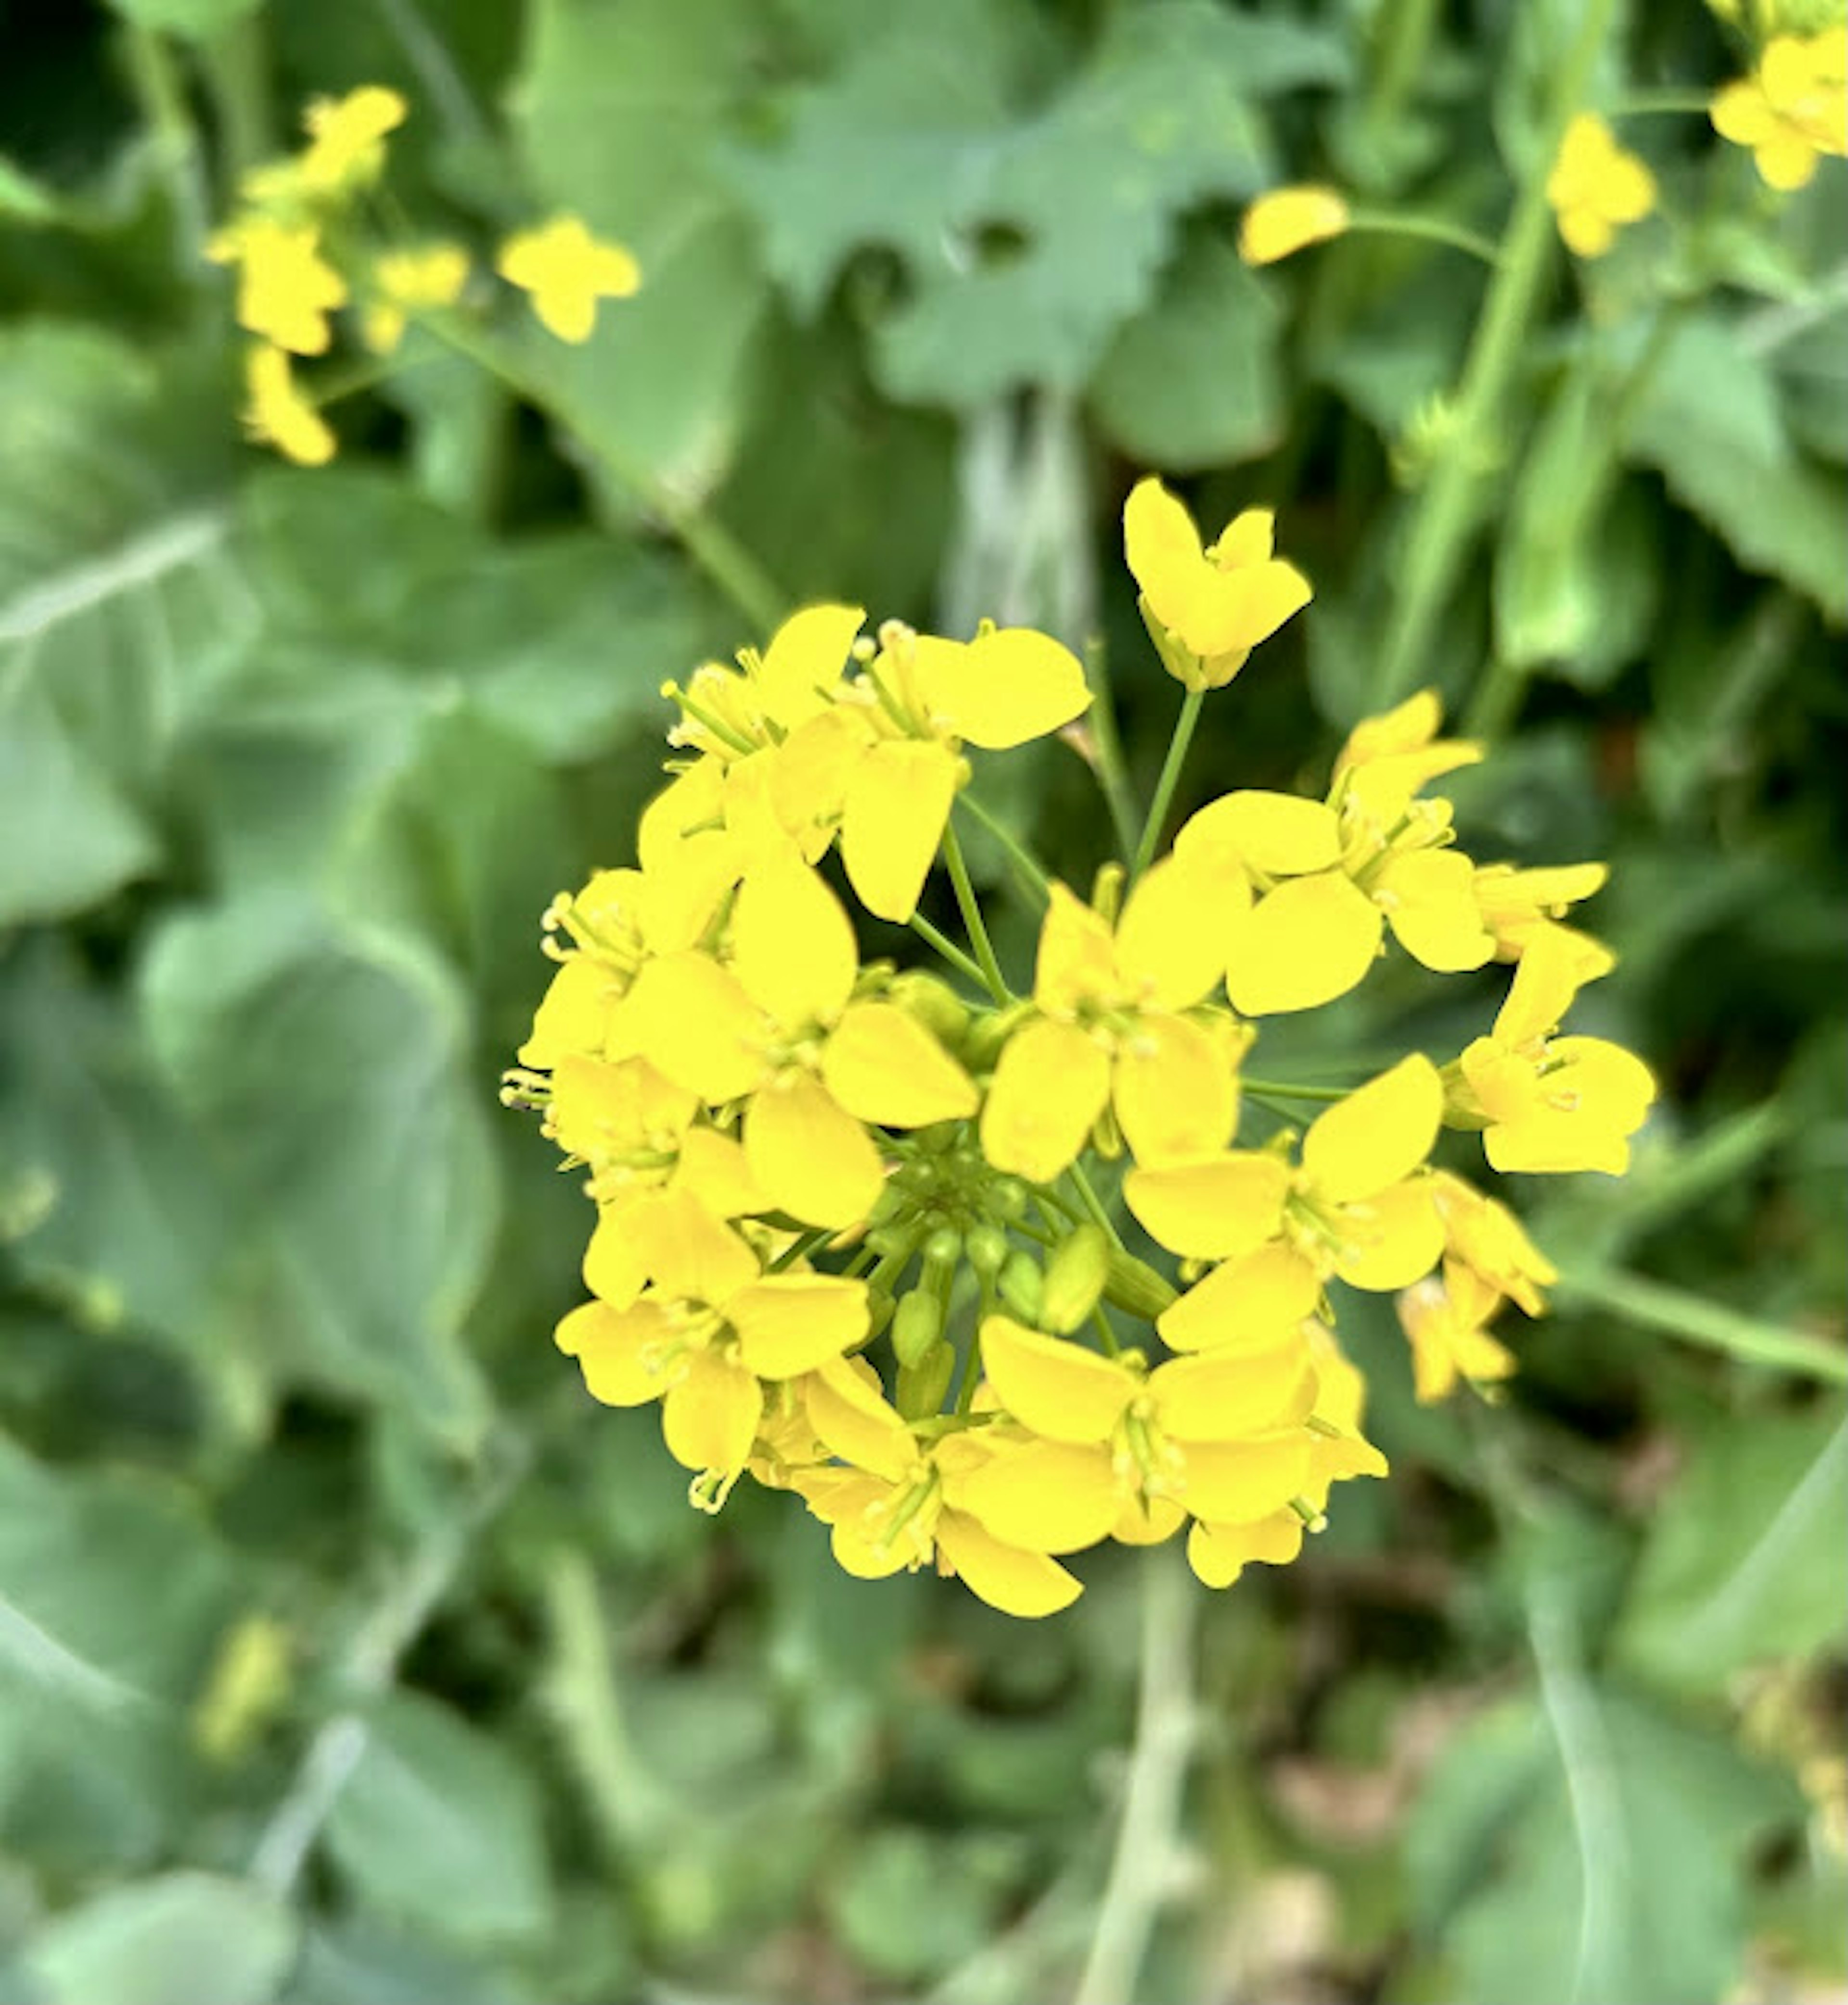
point(982, 1046)
point(917, 1326)
point(1133, 1285)
point(1075, 1277)
point(987, 1249)
point(942, 1251)
point(879, 1312)
point(934, 1003)
point(921, 1387)
point(1022, 1287)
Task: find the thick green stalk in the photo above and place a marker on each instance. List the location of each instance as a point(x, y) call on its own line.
point(1676, 1312)
point(1442, 528)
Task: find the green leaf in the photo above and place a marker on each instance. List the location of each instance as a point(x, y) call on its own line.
point(1707, 418)
point(1744, 1562)
point(911, 1903)
point(182, 1939)
point(1602, 1876)
point(441, 1826)
point(198, 20)
point(1027, 246)
point(118, 607)
point(1194, 381)
point(326, 1067)
point(619, 111)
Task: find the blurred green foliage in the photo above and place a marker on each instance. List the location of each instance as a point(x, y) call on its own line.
point(348, 1655)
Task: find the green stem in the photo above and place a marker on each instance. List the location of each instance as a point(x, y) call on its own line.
point(1644, 103)
point(1283, 1090)
point(1403, 55)
point(989, 967)
point(1023, 859)
point(1430, 229)
point(1678, 1312)
point(708, 542)
point(1170, 779)
point(1444, 523)
point(1113, 774)
point(948, 949)
point(235, 65)
point(161, 88)
point(1094, 1205)
point(1143, 1866)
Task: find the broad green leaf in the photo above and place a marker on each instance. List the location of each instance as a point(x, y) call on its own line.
point(118, 606)
point(1587, 1853)
point(1194, 381)
point(359, 1963)
point(325, 1065)
point(1745, 1563)
point(182, 1939)
point(911, 1903)
point(1026, 245)
point(439, 1826)
point(1707, 418)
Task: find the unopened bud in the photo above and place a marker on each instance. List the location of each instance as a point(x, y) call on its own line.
point(987, 1249)
point(935, 1004)
point(1022, 1286)
point(1133, 1285)
point(1075, 1277)
point(988, 1033)
point(917, 1326)
point(921, 1387)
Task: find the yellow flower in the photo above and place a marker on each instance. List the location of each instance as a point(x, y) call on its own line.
point(347, 138)
point(1596, 187)
point(286, 289)
point(1518, 904)
point(432, 276)
point(710, 1326)
point(809, 753)
point(1214, 606)
point(779, 1028)
point(1306, 889)
point(1445, 1322)
point(1485, 1236)
point(1108, 1030)
point(1359, 1205)
point(1548, 1103)
point(1289, 219)
point(1793, 109)
point(567, 270)
point(279, 415)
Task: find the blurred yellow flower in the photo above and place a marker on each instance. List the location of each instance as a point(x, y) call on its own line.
point(346, 137)
point(278, 414)
point(1445, 1322)
point(286, 289)
point(567, 270)
point(432, 276)
point(1289, 219)
point(1793, 108)
point(1596, 187)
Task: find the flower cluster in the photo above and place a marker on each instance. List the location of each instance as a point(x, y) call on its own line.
point(303, 251)
point(858, 1227)
point(1794, 106)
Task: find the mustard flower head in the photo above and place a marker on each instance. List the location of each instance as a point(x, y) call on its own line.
point(567, 271)
point(1596, 187)
point(276, 413)
point(1793, 108)
point(1289, 219)
point(987, 1276)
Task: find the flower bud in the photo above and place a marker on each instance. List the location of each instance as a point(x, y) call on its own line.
point(987, 1249)
point(934, 1003)
point(1022, 1286)
point(1134, 1285)
point(917, 1326)
point(921, 1387)
point(1074, 1279)
point(988, 1032)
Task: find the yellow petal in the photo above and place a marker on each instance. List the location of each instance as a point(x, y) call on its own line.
point(1289, 219)
point(1550, 974)
point(714, 1170)
point(811, 773)
point(882, 1066)
point(1311, 940)
point(1168, 958)
point(1216, 1209)
point(1044, 1496)
point(854, 1422)
point(575, 1013)
point(614, 1270)
point(812, 1158)
point(1003, 688)
point(788, 1324)
point(620, 1354)
point(693, 1023)
point(1249, 538)
point(689, 1254)
point(802, 666)
point(1163, 549)
point(1052, 1386)
point(1234, 1483)
point(1175, 1100)
point(792, 946)
point(1146, 1521)
point(1218, 1553)
point(1232, 611)
point(1052, 1082)
point(1379, 1134)
point(1392, 1239)
point(1017, 1583)
point(1282, 835)
point(1429, 899)
point(709, 1416)
point(898, 803)
point(1229, 1396)
point(1250, 1303)
point(1076, 961)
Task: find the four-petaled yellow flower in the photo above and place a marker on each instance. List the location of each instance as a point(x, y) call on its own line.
point(1596, 187)
point(1793, 108)
point(568, 270)
point(1445, 1322)
point(286, 289)
point(1212, 606)
point(1289, 219)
